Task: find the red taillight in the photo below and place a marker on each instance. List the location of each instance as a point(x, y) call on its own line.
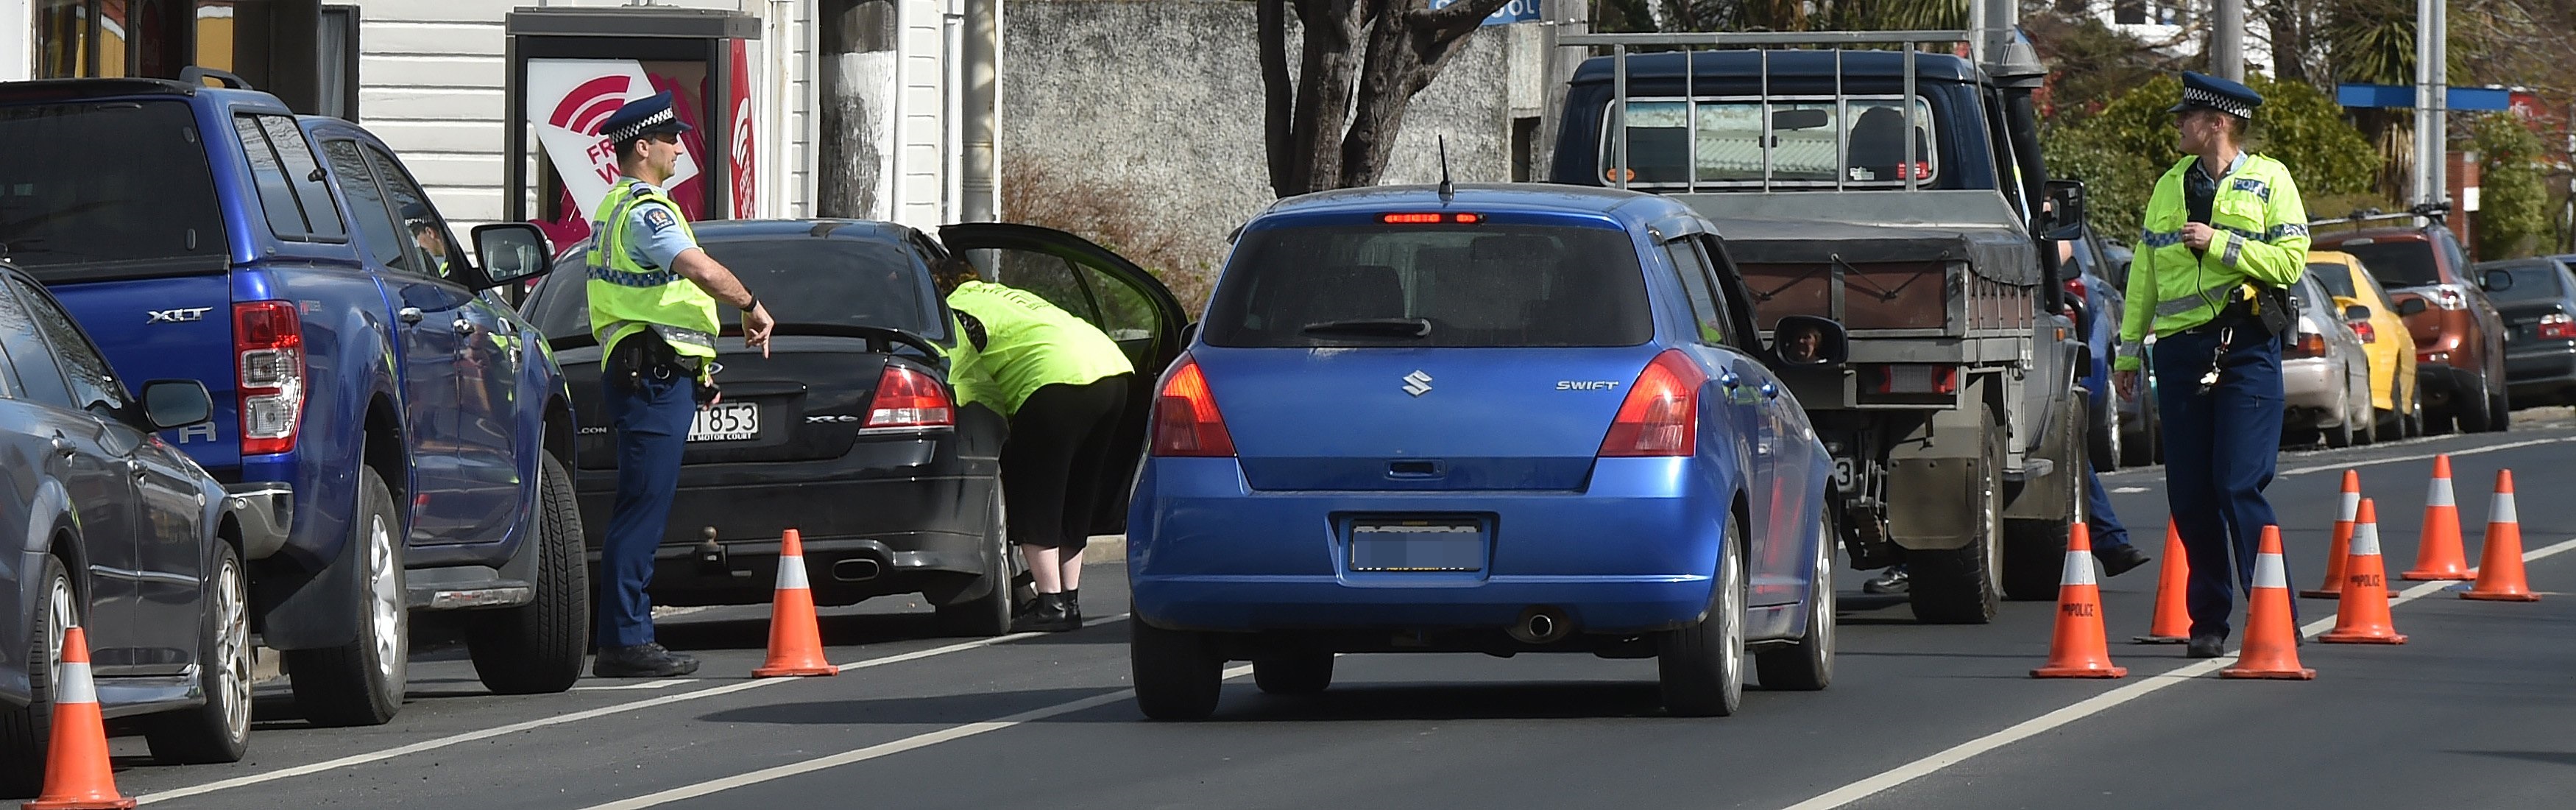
point(268, 358)
point(907, 398)
point(1661, 415)
point(2367, 333)
point(1186, 422)
point(2075, 288)
point(2310, 344)
point(2557, 326)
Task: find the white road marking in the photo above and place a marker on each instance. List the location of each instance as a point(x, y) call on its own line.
point(513, 728)
point(2129, 490)
point(2088, 707)
point(661, 684)
point(2368, 462)
point(924, 740)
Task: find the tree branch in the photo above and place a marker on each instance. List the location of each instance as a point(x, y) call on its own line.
point(1278, 95)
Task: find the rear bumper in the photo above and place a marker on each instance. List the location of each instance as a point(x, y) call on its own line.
point(841, 570)
point(1633, 552)
point(2541, 367)
point(264, 511)
point(2438, 384)
point(2313, 388)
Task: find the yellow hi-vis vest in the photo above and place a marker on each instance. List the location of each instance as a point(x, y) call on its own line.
point(1030, 343)
point(627, 297)
point(2262, 239)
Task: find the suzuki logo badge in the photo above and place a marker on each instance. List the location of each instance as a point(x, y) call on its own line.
point(177, 315)
point(1417, 383)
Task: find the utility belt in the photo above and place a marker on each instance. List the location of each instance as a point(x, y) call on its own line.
point(646, 355)
point(2260, 313)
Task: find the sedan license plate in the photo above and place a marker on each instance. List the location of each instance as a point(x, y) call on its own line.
point(1427, 544)
point(725, 422)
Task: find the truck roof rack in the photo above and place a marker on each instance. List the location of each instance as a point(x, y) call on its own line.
point(2436, 213)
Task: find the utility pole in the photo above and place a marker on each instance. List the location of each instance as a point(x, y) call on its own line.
point(2431, 100)
point(2227, 41)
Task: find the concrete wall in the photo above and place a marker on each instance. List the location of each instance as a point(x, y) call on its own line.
point(1157, 106)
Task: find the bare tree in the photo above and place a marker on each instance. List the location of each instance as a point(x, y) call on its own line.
point(1318, 136)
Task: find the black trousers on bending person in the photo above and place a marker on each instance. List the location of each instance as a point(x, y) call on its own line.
point(1056, 462)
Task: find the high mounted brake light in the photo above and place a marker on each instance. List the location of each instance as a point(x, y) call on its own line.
point(268, 353)
point(1661, 415)
point(1186, 421)
point(1461, 218)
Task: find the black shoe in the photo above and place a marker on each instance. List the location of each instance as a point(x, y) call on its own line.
point(1046, 614)
point(641, 661)
point(2206, 647)
point(1073, 606)
point(2118, 559)
point(1894, 581)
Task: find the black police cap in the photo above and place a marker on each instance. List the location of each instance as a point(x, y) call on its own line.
point(641, 117)
point(2201, 91)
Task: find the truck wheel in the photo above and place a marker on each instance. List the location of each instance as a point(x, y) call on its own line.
point(361, 683)
point(2034, 554)
point(1298, 674)
point(989, 614)
point(1177, 675)
point(1964, 585)
point(1809, 664)
point(536, 648)
point(1701, 667)
point(26, 732)
point(218, 730)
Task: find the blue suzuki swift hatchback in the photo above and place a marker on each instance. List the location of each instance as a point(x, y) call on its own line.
point(1516, 418)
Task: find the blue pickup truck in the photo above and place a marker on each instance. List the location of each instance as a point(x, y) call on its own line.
point(293, 265)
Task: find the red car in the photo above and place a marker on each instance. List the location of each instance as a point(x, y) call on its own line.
point(2459, 338)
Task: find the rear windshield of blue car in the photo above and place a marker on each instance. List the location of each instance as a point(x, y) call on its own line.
point(107, 189)
point(1431, 286)
point(801, 279)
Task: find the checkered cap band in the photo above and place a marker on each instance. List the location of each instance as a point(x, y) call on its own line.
point(2226, 104)
point(636, 130)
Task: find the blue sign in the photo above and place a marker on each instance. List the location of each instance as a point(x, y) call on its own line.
point(2461, 99)
point(1512, 12)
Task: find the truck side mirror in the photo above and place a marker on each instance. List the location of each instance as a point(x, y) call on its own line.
point(1801, 341)
point(2410, 306)
point(169, 404)
point(511, 252)
point(2066, 203)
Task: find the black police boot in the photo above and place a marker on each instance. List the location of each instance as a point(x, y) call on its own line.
point(1047, 614)
point(641, 661)
point(1073, 606)
point(2206, 647)
point(2117, 560)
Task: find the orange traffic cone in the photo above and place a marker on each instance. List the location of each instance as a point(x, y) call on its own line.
point(2342, 538)
point(2078, 649)
point(2362, 617)
point(77, 775)
point(2173, 585)
point(2271, 639)
point(2437, 554)
point(795, 643)
point(2500, 567)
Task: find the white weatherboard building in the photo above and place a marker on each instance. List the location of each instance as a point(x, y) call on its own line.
point(912, 140)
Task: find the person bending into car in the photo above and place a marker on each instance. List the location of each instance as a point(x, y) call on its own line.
point(653, 297)
point(1063, 383)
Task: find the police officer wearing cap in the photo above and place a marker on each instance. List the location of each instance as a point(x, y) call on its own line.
point(2225, 236)
point(653, 307)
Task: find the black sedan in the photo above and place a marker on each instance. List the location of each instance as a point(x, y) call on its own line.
point(2539, 310)
point(849, 432)
point(116, 531)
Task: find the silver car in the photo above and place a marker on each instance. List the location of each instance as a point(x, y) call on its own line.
point(2324, 374)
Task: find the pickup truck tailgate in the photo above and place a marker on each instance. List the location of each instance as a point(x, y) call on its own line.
point(168, 328)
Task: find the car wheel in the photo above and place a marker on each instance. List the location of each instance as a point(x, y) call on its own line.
point(2474, 408)
point(1298, 674)
point(2339, 436)
point(217, 731)
point(2141, 449)
point(361, 683)
point(2500, 410)
point(1701, 667)
point(536, 648)
point(1965, 585)
point(26, 732)
point(1178, 676)
point(989, 614)
point(1809, 664)
point(2104, 438)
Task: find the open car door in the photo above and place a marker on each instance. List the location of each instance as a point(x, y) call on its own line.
point(1101, 287)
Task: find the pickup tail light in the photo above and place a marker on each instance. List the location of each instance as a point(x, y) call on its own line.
point(909, 398)
point(2446, 297)
point(268, 357)
point(2557, 326)
point(1186, 421)
point(1660, 417)
point(1911, 378)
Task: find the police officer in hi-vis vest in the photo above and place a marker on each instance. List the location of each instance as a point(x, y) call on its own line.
point(653, 298)
point(2225, 236)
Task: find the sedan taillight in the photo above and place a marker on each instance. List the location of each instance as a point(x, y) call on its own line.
point(2557, 326)
point(907, 398)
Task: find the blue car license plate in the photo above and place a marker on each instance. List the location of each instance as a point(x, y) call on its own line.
point(1423, 544)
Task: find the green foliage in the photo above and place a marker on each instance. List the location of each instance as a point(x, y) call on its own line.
point(2513, 200)
point(2089, 64)
point(2120, 152)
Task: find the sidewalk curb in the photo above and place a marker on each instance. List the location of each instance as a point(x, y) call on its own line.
point(1111, 548)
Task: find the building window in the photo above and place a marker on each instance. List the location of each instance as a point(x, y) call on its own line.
point(338, 60)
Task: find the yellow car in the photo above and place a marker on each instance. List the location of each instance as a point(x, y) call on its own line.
point(2371, 315)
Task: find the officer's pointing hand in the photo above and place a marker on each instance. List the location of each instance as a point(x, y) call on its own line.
point(755, 328)
point(2197, 235)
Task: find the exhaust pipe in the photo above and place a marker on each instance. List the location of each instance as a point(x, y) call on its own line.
point(855, 570)
point(1541, 624)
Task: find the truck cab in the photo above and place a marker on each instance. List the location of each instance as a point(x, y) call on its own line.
point(1900, 193)
point(293, 265)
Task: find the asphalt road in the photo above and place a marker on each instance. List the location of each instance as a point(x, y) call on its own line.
point(2476, 711)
